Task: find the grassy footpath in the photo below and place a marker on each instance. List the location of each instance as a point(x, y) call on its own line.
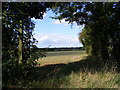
point(73, 69)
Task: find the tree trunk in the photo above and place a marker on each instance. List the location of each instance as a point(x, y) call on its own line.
point(20, 37)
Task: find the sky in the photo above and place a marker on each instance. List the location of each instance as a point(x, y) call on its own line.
point(51, 32)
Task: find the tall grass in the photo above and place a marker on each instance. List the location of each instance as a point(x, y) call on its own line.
point(81, 80)
point(89, 80)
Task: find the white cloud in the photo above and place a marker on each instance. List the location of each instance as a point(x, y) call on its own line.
point(62, 22)
point(57, 40)
point(42, 38)
point(39, 19)
point(65, 23)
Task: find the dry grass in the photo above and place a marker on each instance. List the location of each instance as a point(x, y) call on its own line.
point(81, 80)
point(89, 80)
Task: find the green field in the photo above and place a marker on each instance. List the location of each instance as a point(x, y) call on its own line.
point(57, 57)
point(73, 69)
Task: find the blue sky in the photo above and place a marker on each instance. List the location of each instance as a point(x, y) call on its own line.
point(51, 32)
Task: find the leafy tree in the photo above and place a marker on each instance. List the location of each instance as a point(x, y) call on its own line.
point(85, 39)
point(101, 26)
point(19, 49)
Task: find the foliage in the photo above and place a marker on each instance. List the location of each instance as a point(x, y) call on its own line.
point(19, 49)
point(85, 39)
point(102, 20)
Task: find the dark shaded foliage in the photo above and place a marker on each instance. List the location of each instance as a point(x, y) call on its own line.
point(101, 35)
point(18, 44)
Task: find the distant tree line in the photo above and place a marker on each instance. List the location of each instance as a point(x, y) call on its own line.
point(62, 49)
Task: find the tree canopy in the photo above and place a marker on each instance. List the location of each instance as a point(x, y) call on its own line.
point(101, 35)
